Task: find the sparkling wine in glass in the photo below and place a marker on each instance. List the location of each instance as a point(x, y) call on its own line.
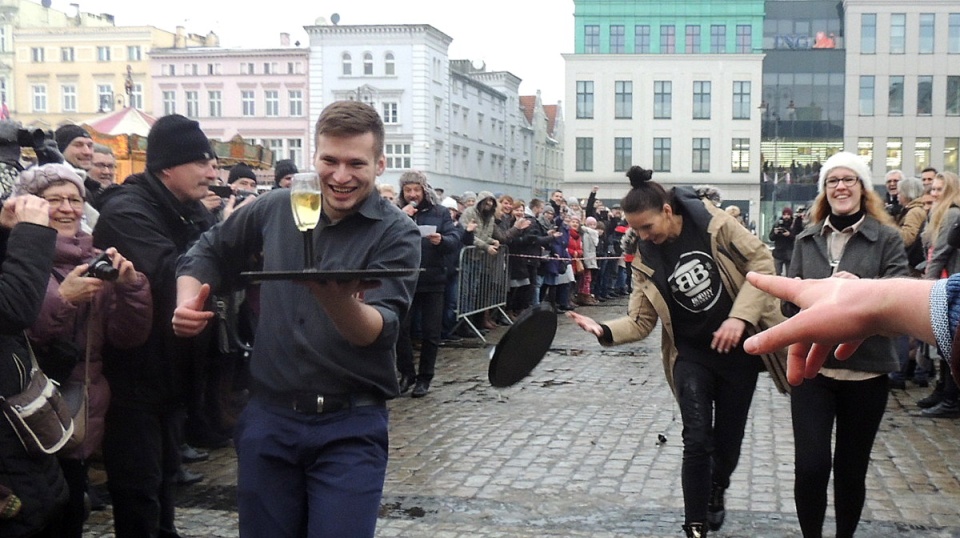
point(305, 201)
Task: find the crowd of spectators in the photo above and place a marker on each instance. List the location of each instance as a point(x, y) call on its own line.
point(157, 401)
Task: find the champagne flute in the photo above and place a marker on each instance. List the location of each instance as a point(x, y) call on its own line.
point(306, 204)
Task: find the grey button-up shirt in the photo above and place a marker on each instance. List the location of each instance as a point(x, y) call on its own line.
point(297, 346)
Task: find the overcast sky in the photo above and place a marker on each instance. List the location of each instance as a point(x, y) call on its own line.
point(524, 37)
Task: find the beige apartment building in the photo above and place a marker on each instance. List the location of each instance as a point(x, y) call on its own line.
point(76, 74)
point(58, 67)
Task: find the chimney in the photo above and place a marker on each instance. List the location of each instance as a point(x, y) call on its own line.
point(284, 39)
point(179, 41)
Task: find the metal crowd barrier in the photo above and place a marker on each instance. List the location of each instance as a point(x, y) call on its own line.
point(483, 284)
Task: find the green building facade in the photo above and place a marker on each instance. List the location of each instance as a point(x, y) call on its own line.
point(668, 26)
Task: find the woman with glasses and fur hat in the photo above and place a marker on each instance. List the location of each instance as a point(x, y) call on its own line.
point(850, 236)
point(86, 310)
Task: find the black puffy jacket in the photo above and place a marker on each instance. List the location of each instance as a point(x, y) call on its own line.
point(27, 254)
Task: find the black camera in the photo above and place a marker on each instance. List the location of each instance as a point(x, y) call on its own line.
point(101, 267)
point(240, 196)
point(34, 138)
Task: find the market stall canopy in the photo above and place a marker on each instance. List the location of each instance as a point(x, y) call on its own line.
point(125, 121)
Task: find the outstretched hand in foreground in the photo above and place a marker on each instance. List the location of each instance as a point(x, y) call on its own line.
point(840, 313)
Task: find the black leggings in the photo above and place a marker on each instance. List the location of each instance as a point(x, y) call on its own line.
point(857, 407)
point(714, 403)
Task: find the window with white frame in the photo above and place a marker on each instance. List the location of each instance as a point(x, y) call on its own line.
point(898, 33)
point(661, 154)
point(927, 33)
point(67, 54)
point(662, 99)
point(37, 55)
point(866, 95)
point(347, 64)
point(617, 39)
point(168, 70)
point(271, 101)
point(389, 65)
point(740, 157)
point(296, 103)
point(103, 54)
point(169, 98)
point(641, 39)
point(584, 99)
point(295, 153)
point(398, 155)
point(192, 100)
point(105, 97)
point(215, 100)
point(744, 39)
point(136, 96)
point(134, 53)
point(584, 157)
point(247, 68)
point(622, 153)
point(701, 99)
point(701, 154)
point(68, 94)
point(741, 99)
point(389, 112)
point(953, 33)
point(248, 99)
point(868, 33)
point(39, 97)
point(591, 39)
point(367, 63)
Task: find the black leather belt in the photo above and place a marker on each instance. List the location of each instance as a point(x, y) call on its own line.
point(317, 404)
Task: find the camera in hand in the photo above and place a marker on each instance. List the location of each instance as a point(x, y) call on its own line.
point(240, 196)
point(101, 267)
point(34, 138)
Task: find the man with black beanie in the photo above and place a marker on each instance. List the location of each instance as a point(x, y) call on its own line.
point(153, 218)
point(283, 172)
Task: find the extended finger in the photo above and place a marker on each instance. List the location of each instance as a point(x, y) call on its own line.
point(799, 328)
point(796, 363)
point(778, 286)
point(815, 358)
point(846, 349)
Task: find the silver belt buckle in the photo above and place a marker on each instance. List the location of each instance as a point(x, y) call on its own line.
point(319, 404)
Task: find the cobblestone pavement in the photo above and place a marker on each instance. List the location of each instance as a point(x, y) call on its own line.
point(573, 451)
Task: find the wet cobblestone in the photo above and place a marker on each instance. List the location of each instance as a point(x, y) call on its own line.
point(573, 451)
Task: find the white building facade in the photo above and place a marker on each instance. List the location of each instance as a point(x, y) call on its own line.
point(691, 118)
point(903, 84)
point(459, 124)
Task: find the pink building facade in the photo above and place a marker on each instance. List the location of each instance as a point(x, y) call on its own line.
point(259, 94)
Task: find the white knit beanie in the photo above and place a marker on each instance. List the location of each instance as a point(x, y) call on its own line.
point(845, 159)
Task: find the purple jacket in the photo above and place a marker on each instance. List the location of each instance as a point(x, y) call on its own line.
point(119, 314)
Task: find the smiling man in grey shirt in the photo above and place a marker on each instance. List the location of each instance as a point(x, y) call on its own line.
point(312, 443)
